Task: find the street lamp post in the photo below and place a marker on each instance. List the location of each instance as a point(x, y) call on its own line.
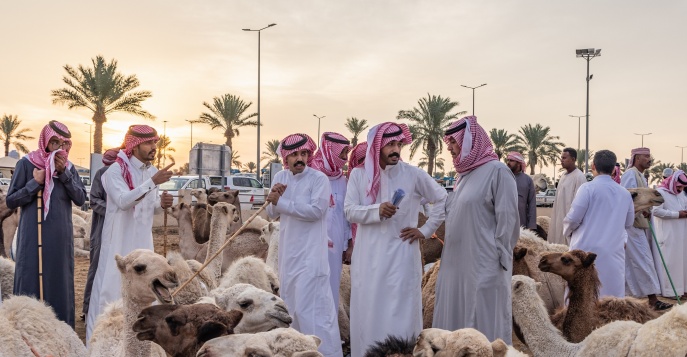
point(682, 155)
point(587, 54)
point(473, 95)
point(191, 122)
point(643, 135)
point(164, 152)
point(257, 175)
point(90, 138)
point(318, 125)
point(578, 128)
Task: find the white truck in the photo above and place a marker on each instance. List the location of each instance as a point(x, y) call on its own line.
point(547, 198)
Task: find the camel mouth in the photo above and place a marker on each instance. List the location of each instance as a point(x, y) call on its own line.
point(281, 315)
point(161, 292)
point(544, 266)
point(236, 218)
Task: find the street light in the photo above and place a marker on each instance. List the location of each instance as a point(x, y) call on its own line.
point(90, 137)
point(257, 175)
point(473, 95)
point(643, 135)
point(578, 128)
point(318, 125)
point(587, 54)
point(164, 153)
point(191, 122)
point(682, 156)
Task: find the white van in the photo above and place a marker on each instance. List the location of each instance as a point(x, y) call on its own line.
point(250, 190)
point(177, 183)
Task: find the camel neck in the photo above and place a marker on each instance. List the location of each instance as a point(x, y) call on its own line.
point(132, 346)
point(583, 294)
point(218, 233)
point(542, 338)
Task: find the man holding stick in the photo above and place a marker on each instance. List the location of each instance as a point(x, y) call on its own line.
point(131, 187)
point(300, 195)
point(48, 171)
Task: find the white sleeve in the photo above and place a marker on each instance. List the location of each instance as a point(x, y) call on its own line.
point(356, 211)
point(118, 191)
point(433, 193)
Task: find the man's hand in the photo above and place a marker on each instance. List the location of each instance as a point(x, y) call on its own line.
point(276, 192)
point(411, 234)
point(683, 214)
point(348, 253)
point(60, 163)
point(39, 176)
point(163, 175)
point(166, 200)
point(387, 210)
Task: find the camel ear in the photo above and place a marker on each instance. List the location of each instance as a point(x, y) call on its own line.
point(175, 322)
point(519, 253)
point(591, 257)
point(211, 329)
point(181, 205)
point(121, 264)
point(225, 209)
point(499, 348)
point(317, 340)
point(234, 317)
point(234, 193)
point(518, 285)
point(634, 195)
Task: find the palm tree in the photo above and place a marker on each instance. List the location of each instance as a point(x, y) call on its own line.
point(182, 170)
point(250, 166)
point(10, 131)
point(682, 166)
point(504, 142)
point(427, 124)
point(235, 159)
point(537, 143)
point(438, 163)
point(271, 155)
point(356, 126)
point(227, 112)
point(102, 90)
point(580, 158)
point(162, 149)
point(656, 171)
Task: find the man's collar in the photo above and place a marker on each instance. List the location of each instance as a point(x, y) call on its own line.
point(138, 164)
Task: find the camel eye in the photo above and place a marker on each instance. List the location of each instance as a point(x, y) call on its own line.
point(566, 260)
point(244, 304)
point(140, 268)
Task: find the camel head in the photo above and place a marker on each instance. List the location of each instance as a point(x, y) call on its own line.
point(539, 181)
point(520, 263)
point(200, 194)
point(230, 196)
point(524, 295)
point(645, 198)
point(223, 209)
point(182, 329)
point(179, 210)
point(470, 342)
point(566, 264)
point(262, 311)
point(269, 231)
point(146, 277)
point(278, 342)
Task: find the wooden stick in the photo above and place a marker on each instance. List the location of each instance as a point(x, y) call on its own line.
point(164, 235)
point(226, 243)
point(39, 206)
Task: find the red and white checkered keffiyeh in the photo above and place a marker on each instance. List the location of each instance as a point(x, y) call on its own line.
point(516, 156)
point(476, 148)
point(672, 182)
point(327, 159)
point(110, 156)
point(136, 135)
point(357, 157)
point(296, 142)
point(616, 174)
point(44, 160)
point(377, 138)
point(637, 151)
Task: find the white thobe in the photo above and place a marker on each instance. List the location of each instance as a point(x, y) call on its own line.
point(640, 272)
point(565, 193)
point(128, 226)
point(597, 220)
point(386, 272)
point(338, 231)
point(670, 232)
point(303, 256)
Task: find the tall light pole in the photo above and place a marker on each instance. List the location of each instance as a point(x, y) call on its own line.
point(643, 135)
point(578, 128)
point(682, 155)
point(473, 95)
point(257, 174)
point(191, 122)
point(164, 152)
point(90, 138)
point(318, 126)
point(587, 54)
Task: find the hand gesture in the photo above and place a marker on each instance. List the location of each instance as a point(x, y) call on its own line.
point(275, 193)
point(411, 234)
point(60, 163)
point(39, 176)
point(163, 175)
point(166, 200)
point(387, 210)
point(683, 214)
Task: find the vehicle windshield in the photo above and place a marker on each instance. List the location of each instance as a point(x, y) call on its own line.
point(174, 184)
point(86, 180)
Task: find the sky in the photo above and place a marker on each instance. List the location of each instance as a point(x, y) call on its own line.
point(363, 59)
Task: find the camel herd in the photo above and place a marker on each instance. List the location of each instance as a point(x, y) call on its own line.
point(233, 308)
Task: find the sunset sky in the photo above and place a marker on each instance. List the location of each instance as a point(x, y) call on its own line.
point(364, 59)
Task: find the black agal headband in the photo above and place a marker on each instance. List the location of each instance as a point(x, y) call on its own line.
point(392, 134)
point(296, 144)
point(132, 132)
point(63, 133)
point(336, 140)
point(455, 130)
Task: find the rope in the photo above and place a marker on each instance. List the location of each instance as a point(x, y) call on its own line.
point(651, 227)
point(435, 236)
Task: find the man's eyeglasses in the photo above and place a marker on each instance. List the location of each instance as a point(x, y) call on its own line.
point(56, 143)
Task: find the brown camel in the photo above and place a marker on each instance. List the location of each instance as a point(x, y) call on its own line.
point(431, 248)
point(585, 312)
point(4, 213)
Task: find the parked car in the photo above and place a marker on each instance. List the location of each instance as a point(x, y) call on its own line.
point(177, 183)
point(547, 198)
point(251, 191)
point(5, 181)
point(86, 180)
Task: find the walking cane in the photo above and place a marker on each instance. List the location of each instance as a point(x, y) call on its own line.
point(39, 205)
point(221, 248)
point(651, 227)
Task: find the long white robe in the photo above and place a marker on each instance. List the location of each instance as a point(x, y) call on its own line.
point(671, 232)
point(386, 272)
point(482, 226)
point(339, 232)
point(597, 220)
point(565, 193)
point(128, 226)
point(641, 278)
point(303, 256)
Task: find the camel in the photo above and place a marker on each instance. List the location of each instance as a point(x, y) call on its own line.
point(182, 329)
point(9, 229)
point(262, 311)
point(146, 277)
point(201, 216)
point(539, 181)
point(435, 342)
point(431, 248)
point(254, 271)
point(585, 312)
point(392, 346)
point(270, 235)
point(644, 198)
point(281, 342)
point(5, 212)
point(229, 196)
point(543, 223)
point(6, 278)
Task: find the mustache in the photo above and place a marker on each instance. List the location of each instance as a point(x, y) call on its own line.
point(394, 154)
point(299, 163)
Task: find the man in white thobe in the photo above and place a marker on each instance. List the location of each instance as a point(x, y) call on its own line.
point(330, 159)
point(596, 223)
point(300, 196)
point(386, 270)
point(641, 278)
point(473, 288)
point(671, 228)
point(569, 183)
point(131, 187)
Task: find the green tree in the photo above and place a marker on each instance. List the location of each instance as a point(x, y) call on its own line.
point(250, 166)
point(102, 90)
point(580, 159)
point(10, 134)
point(235, 156)
point(538, 144)
point(428, 121)
point(504, 142)
point(656, 171)
point(438, 163)
point(356, 126)
point(182, 170)
point(162, 152)
point(228, 112)
point(271, 155)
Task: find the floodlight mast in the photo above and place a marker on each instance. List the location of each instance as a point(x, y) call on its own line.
point(587, 54)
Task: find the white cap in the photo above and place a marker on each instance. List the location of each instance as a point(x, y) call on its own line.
point(667, 172)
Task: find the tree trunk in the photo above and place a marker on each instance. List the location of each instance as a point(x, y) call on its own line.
point(7, 147)
point(354, 141)
point(431, 156)
point(99, 119)
point(229, 134)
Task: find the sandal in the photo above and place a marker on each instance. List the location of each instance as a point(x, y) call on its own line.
point(660, 306)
